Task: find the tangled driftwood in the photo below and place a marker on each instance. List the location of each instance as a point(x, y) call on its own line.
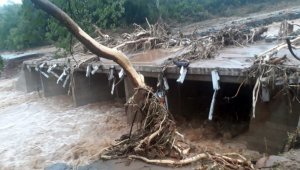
point(268, 69)
point(238, 36)
point(157, 134)
point(208, 46)
point(157, 141)
point(196, 47)
point(141, 39)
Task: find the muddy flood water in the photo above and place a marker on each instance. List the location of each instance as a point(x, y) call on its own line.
point(36, 132)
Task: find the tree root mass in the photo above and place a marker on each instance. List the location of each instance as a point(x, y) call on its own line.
point(157, 140)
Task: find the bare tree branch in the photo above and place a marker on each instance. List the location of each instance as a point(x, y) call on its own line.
point(90, 43)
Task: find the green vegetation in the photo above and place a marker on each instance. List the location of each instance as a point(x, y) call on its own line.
point(8, 21)
point(22, 26)
point(102, 13)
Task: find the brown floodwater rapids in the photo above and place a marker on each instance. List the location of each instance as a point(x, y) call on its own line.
point(36, 132)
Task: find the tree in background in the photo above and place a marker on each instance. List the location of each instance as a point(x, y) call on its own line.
point(31, 28)
point(22, 27)
point(9, 20)
point(102, 13)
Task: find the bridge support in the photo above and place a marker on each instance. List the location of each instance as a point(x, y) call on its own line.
point(50, 87)
point(29, 80)
point(90, 89)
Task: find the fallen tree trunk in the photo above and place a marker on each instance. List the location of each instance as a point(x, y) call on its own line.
point(144, 101)
point(157, 138)
point(90, 43)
